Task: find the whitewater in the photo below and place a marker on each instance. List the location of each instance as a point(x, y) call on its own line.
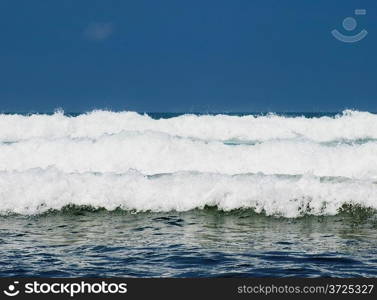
point(277, 165)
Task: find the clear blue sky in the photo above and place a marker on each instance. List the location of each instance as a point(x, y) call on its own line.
point(197, 55)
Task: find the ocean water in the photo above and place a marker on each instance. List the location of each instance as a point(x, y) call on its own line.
point(188, 195)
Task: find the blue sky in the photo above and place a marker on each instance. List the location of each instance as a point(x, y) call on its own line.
point(191, 56)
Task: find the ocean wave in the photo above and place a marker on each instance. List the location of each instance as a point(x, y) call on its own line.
point(37, 191)
point(152, 153)
point(349, 125)
point(281, 166)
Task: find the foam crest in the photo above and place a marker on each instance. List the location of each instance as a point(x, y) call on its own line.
point(349, 125)
point(37, 191)
point(152, 153)
point(285, 166)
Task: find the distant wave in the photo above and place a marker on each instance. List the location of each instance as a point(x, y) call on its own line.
point(283, 166)
point(349, 125)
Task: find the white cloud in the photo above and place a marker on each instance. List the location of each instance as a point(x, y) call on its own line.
point(98, 31)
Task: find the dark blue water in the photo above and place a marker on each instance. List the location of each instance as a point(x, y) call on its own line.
point(156, 115)
point(165, 115)
point(199, 243)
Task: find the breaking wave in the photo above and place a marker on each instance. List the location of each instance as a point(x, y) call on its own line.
point(277, 165)
point(349, 125)
point(37, 191)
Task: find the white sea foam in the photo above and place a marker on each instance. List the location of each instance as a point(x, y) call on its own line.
point(106, 159)
point(349, 125)
point(36, 191)
point(152, 153)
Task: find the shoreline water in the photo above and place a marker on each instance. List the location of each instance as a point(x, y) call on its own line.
point(199, 243)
